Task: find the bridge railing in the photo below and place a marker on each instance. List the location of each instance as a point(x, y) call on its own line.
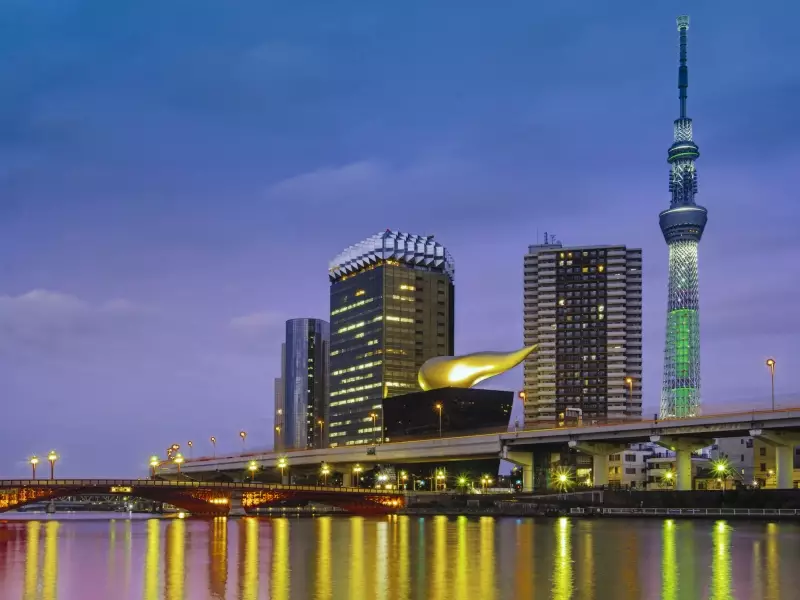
point(221, 485)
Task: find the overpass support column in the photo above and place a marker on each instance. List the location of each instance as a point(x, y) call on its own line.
point(236, 508)
point(683, 448)
point(599, 453)
point(784, 444)
point(347, 479)
point(524, 460)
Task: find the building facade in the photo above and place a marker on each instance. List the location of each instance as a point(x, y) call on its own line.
point(682, 225)
point(305, 385)
point(392, 304)
point(279, 403)
point(583, 308)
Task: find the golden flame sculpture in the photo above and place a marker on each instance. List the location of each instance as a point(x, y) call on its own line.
point(468, 370)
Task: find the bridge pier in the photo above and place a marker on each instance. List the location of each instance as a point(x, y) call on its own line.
point(784, 444)
point(347, 479)
point(524, 460)
point(683, 448)
point(236, 507)
point(599, 453)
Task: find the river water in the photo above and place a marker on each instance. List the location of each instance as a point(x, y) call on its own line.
point(396, 558)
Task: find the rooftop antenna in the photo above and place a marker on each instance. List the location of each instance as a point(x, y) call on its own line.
point(683, 70)
point(552, 238)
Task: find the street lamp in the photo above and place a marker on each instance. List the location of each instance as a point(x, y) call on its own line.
point(382, 479)
point(374, 417)
point(243, 435)
point(771, 367)
point(325, 470)
point(214, 445)
point(357, 470)
point(178, 460)
point(629, 383)
point(321, 424)
point(441, 480)
point(721, 469)
point(153, 465)
point(283, 464)
point(439, 407)
point(403, 479)
point(52, 458)
point(252, 466)
point(190, 444)
point(34, 461)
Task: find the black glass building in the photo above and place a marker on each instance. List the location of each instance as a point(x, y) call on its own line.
point(392, 304)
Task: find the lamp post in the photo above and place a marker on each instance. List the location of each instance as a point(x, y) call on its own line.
point(214, 445)
point(190, 444)
point(325, 470)
point(721, 469)
point(52, 458)
point(321, 424)
point(243, 435)
point(439, 407)
point(403, 479)
point(283, 464)
point(374, 417)
point(629, 383)
point(34, 461)
point(252, 466)
point(153, 465)
point(771, 367)
point(178, 460)
point(357, 470)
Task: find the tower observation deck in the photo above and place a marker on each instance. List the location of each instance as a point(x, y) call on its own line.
point(682, 224)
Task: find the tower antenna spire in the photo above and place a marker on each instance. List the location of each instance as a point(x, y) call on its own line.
point(683, 69)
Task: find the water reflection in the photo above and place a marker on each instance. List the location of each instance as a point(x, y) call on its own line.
point(397, 558)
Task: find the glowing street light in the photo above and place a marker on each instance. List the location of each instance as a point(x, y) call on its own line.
point(721, 470)
point(374, 417)
point(325, 470)
point(243, 435)
point(357, 470)
point(321, 424)
point(34, 461)
point(404, 479)
point(52, 458)
point(629, 383)
point(154, 462)
point(190, 444)
point(214, 445)
point(438, 406)
point(252, 466)
point(283, 464)
point(178, 460)
point(563, 478)
point(771, 367)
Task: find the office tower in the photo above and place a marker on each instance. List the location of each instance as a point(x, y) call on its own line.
point(391, 310)
point(682, 225)
point(583, 307)
point(279, 403)
point(305, 384)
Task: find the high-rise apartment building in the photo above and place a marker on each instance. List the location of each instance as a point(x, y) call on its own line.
point(583, 307)
point(392, 304)
point(305, 380)
point(682, 224)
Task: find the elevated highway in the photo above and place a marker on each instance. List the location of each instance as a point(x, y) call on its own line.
point(780, 428)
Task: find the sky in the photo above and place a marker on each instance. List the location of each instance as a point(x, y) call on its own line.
point(176, 176)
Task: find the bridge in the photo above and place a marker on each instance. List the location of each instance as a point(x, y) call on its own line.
point(201, 498)
point(778, 428)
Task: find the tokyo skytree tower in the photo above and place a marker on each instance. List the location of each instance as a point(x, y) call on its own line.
point(682, 225)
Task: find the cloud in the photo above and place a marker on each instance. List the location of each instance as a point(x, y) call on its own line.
point(51, 321)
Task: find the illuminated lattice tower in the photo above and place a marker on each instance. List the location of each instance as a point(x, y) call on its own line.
point(682, 225)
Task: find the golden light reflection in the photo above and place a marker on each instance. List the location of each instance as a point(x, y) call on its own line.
point(280, 559)
point(525, 569)
point(112, 548)
point(248, 558)
point(669, 562)
point(218, 557)
point(562, 568)
point(30, 588)
point(357, 565)
point(175, 560)
point(381, 570)
point(487, 583)
point(587, 564)
point(50, 567)
point(439, 588)
point(404, 587)
point(773, 563)
point(152, 574)
point(462, 562)
point(721, 585)
point(323, 563)
point(758, 570)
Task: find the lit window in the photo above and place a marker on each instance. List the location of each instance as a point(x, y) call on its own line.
point(360, 292)
point(561, 302)
point(600, 268)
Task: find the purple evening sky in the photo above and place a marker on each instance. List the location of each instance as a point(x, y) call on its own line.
point(175, 177)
